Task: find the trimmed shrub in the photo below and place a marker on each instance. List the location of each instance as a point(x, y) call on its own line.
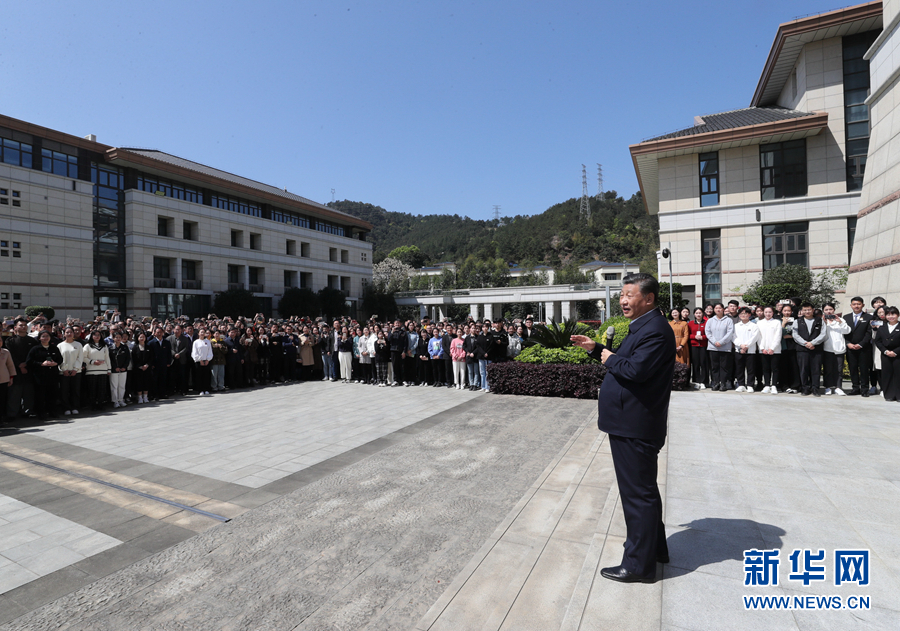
point(539, 355)
point(621, 323)
point(33, 311)
point(560, 380)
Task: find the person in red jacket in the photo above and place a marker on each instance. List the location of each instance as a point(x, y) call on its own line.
point(699, 360)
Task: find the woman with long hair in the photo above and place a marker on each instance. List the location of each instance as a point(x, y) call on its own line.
point(719, 333)
point(96, 358)
point(43, 363)
point(682, 337)
point(770, 337)
point(70, 372)
point(699, 358)
point(879, 320)
point(142, 375)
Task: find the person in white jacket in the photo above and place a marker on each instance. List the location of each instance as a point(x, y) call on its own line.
point(835, 346)
point(746, 336)
point(96, 359)
point(202, 354)
point(70, 372)
point(769, 346)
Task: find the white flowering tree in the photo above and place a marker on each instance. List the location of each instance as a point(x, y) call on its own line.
point(390, 276)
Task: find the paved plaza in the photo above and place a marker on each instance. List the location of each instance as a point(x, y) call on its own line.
point(332, 506)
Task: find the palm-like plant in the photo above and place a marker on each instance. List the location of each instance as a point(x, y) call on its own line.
point(557, 335)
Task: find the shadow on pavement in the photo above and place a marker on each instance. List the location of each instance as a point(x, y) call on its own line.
point(713, 540)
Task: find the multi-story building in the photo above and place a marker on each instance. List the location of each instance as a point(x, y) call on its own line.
point(86, 227)
point(875, 265)
point(611, 274)
point(743, 191)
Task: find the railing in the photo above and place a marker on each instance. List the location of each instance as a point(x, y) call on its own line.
point(257, 288)
point(164, 283)
point(235, 285)
point(191, 284)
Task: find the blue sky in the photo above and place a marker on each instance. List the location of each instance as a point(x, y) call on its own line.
point(420, 107)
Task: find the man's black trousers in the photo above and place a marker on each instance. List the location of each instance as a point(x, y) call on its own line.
point(635, 462)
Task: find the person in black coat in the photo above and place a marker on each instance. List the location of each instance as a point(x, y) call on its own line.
point(887, 340)
point(181, 353)
point(43, 362)
point(633, 408)
point(161, 354)
point(399, 343)
point(234, 360)
point(859, 347)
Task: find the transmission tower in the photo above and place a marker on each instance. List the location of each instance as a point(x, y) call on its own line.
point(496, 212)
point(585, 202)
point(599, 180)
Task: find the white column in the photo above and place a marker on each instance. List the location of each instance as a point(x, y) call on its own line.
point(566, 309)
point(489, 311)
point(178, 273)
point(440, 313)
point(550, 311)
point(474, 309)
point(423, 311)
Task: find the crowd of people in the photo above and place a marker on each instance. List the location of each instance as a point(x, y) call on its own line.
point(791, 348)
point(51, 368)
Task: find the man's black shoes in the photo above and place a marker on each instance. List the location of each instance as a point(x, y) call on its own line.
point(662, 558)
point(621, 575)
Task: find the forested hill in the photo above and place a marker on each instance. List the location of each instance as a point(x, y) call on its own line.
point(619, 230)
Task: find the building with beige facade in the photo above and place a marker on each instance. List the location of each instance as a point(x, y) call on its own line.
point(86, 227)
point(875, 265)
point(778, 182)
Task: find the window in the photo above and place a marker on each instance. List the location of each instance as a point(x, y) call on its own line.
point(237, 238)
point(162, 226)
point(4, 252)
point(782, 169)
point(4, 201)
point(610, 277)
point(363, 256)
point(236, 204)
point(17, 203)
point(333, 254)
point(188, 270)
point(785, 244)
point(290, 279)
point(4, 244)
point(345, 256)
point(17, 255)
point(3, 191)
point(15, 153)
point(856, 112)
point(712, 265)
point(290, 248)
point(345, 284)
point(306, 280)
point(304, 250)
point(322, 226)
point(364, 281)
point(709, 179)
point(190, 231)
point(334, 282)
point(234, 277)
point(257, 279)
point(59, 163)
point(162, 187)
point(283, 216)
point(255, 241)
point(851, 236)
point(161, 267)
point(17, 296)
point(16, 244)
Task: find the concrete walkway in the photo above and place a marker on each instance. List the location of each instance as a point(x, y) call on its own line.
point(498, 514)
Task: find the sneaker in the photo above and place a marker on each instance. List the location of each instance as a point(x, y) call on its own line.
point(702, 387)
point(840, 392)
point(74, 411)
point(765, 390)
point(740, 389)
point(773, 390)
point(827, 391)
point(116, 404)
point(67, 412)
point(122, 404)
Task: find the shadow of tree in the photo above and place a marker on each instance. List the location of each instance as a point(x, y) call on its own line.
point(712, 540)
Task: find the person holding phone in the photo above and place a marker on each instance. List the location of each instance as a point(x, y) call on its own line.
point(835, 346)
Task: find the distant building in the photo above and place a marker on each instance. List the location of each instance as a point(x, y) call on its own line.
point(433, 270)
point(86, 227)
point(778, 182)
point(517, 271)
point(610, 274)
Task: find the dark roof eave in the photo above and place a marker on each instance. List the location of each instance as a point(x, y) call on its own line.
point(115, 154)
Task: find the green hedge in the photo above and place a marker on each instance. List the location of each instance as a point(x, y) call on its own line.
point(621, 323)
point(541, 355)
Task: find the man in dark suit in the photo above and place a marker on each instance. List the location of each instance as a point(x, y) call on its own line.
point(633, 409)
point(181, 352)
point(809, 333)
point(859, 346)
point(161, 358)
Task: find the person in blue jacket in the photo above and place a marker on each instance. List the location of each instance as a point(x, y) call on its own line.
point(633, 409)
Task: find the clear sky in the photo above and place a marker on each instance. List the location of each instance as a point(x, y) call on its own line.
point(419, 107)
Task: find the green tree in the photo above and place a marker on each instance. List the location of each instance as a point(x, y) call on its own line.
point(409, 254)
point(298, 301)
point(571, 275)
point(663, 298)
point(378, 303)
point(333, 302)
point(236, 302)
point(35, 310)
point(795, 281)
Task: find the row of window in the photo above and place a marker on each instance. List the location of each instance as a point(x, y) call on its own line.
point(7, 197)
point(16, 248)
point(782, 172)
point(782, 244)
point(163, 277)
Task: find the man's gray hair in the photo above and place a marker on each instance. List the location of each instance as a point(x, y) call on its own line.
point(646, 283)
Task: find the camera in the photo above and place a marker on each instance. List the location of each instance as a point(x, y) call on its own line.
point(829, 316)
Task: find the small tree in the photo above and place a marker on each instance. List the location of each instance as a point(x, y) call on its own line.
point(236, 302)
point(35, 310)
point(663, 298)
point(390, 276)
point(332, 302)
point(571, 275)
point(409, 254)
point(299, 302)
point(796, 281)
point(379, 303)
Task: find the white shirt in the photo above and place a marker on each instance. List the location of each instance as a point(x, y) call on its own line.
point(834, 339)
point(746, 334)
point(201, 350)
point(770, 335)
